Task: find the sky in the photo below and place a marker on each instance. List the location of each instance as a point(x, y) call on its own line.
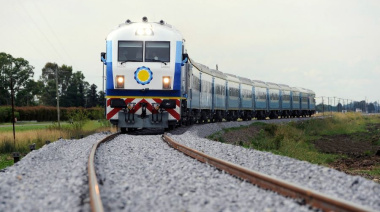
point(330, 47)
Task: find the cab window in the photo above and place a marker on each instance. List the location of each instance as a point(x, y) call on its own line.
point(130, 51)
point(157, 51)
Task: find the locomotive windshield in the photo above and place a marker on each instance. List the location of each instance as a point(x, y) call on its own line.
point(130, 51)
point(157, 51)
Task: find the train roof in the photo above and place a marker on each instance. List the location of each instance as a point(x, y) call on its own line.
point(308, 91)
point(303, 90)
point(201, 67)
point(258, 83)
point(295, 89)
point(232, 78)
point(311, 91)
point(219, 74)
point(285, 87)
point(273, 85)
point(245, 80)
point(160, 30)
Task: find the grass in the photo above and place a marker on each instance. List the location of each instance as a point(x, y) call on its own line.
point(5, 160)
point(295, 138)
point(27, 126)
point(50, 132)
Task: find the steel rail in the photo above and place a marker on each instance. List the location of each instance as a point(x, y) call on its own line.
point(95, 200)
point(313, 198)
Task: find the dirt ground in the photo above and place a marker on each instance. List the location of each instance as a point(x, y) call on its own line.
point(244, 135)
point(361, 149)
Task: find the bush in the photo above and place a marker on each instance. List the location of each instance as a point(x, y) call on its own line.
point(78, 118)
point(6, 114)
point(47, 113)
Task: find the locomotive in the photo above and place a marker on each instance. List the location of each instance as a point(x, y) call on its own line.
point(151, 82)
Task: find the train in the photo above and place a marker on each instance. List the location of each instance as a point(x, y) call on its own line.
point(151, 82)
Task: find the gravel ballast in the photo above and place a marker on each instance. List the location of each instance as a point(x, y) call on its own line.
point(52, 178)
point(354, 189)
point(142, 173)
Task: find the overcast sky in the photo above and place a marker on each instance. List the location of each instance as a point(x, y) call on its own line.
point(331, 47)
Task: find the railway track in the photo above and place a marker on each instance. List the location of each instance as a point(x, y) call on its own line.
point(307, 196)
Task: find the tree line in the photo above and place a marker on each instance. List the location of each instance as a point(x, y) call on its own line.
point(17, 74)
point(370, 107)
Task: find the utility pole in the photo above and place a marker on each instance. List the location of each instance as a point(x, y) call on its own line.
point(323, 107)
point(103, 59)
point(16, 155)
point(56, 85)
point(13, 109)
point(329, 105)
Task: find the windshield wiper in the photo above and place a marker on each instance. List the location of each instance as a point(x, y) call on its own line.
point(154, 60)
point(122, 62)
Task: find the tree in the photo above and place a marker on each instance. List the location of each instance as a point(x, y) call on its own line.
point(92, 96)
point(16, 70)
point(101, 100)
point(371, 108)
point(48, 79)
point(25, 97)
point(76, 90)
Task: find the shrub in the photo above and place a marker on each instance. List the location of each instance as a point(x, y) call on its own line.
point(78, 118)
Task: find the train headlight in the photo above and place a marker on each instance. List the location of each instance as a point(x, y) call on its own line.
point(166, 82)
point(144, 31)
point(140, 31)
point(119, 81)
point(148, 31)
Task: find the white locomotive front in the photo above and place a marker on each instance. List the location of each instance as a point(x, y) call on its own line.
point(143, 86)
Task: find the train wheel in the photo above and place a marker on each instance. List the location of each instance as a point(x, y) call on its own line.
point(123, 130)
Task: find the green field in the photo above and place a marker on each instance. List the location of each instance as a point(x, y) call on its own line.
point(39, 133)
point(25, 126)
point(333, 142)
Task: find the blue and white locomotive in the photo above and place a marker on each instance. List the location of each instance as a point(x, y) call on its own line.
point(152, 83)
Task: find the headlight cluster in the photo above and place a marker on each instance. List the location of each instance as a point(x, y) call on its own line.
point(119, 81)
point(166, 82)
point(144, 31)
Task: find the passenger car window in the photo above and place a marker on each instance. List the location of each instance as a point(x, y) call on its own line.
point(130, 51)
point(157, 51)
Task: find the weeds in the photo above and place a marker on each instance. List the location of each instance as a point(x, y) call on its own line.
point(295, 138)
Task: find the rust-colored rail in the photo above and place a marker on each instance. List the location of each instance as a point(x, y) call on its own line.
point(95, 200)
point(313, 198)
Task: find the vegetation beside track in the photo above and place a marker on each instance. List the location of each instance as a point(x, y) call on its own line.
point(348, 142)
point(39, 134)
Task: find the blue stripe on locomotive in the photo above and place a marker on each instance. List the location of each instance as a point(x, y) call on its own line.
point(158, 93)
point(109, 74)
point(177, 68)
